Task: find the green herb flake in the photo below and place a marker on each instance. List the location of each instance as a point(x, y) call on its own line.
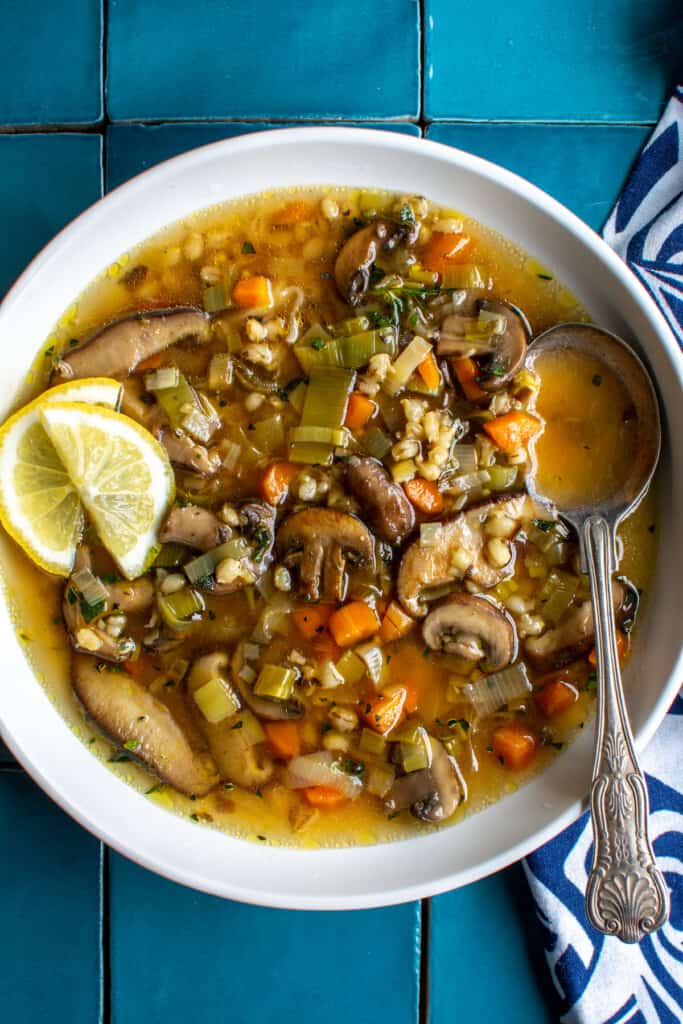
point(119, 758)
point(262, 839)
point(597, 379)
point(406, 215)
point(317, 343)
point(543, 524)
point(259, 793)
point(394, 814)
point(237, 725)
point(131, 744)
point(592, 683)
point(248, 249)
point(545, 277)
point(212, 615)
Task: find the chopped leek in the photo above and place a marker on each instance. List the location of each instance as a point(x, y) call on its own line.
point(557, 593)
point(311, 454)
point(466, 458)
point(216, 700)
point(351, 667)
point(164, 377)
point(215, 298)
point(496, 691)
point(415, 749)
point(405, 365)
point(380, 779)
point(185, 411)
point(468, 482)
point(320, 435)
point(354, 325)
point(181, 609)
point(268, 435)
point(92, 594)
point(502, 477)
point(276, 682)
point(170, 556)
point(220, 372)
point(351, 352)
point(203, 566)
point(427, 277)
point(462, 275)
point(327, 397)
point(376, 442)
point(371, 742)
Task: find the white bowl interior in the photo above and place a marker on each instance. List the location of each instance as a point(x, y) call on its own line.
point(363, 876)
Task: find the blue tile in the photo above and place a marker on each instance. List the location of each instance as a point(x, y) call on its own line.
point(594, 60)
point(51, 899)
point(45, 181)
point(224, 58)
point(133, 148)
point(51, 68)
point(479, 964)
point(582, 166)
point(178, 955)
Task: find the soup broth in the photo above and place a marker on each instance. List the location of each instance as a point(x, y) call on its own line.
point(374, 645)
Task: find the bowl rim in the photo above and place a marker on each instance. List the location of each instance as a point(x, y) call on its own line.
point(550, 208)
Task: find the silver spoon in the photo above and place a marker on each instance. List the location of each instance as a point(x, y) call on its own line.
point(626, 894)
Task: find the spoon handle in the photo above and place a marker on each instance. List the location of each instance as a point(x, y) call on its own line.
point(626, 894)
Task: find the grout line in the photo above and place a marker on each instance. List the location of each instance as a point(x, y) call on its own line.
point(421, 65)
point(425, 919)
point(105, 67)
point(105, 937)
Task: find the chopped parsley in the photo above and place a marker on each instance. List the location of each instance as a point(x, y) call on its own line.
point(406, 215)
point(462, 722)
point(545, 277)
point(237, 725)
point(597, 379)
point(118, 758)
point(543, 524)
point(131, 744)
point(248, 249)
point(592, 683)
point(262, 538)
point(317, 343)
point(351, 767)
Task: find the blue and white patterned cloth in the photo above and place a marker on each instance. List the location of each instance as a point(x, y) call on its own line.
point(600, 980)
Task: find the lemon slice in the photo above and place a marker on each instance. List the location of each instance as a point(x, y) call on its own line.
point(39, 505)
point(122, 474)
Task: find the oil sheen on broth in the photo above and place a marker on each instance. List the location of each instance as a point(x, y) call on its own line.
point(589, 437)
point(293, 238)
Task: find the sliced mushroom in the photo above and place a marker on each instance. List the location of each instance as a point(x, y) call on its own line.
point(184, 451)
point(257, 522)
point(194, 526)
point(503, 356)
point(385, 503)
point(473, 628)
point(131, 717)
point(320, 541)
point(94, 637)
point(117, 349)
point(434, 793)
point(264, 707)
point(459, 554)
point(237, 760)
point(359, 253)
point(575, 636)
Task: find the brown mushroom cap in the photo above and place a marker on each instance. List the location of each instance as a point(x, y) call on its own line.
point(194, 526)
point(320, 541)
point(504, 354)
point(474, 628)
point(358, 254)
point(128, 713)
point(384, 502)
point(574, 637)
point(434, 793)
point(237, 760)
point(117, 349)
point(425, 566)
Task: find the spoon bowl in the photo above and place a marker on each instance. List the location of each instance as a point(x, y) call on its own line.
point(626, 894)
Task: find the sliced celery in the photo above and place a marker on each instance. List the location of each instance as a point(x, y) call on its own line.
point(351, 352)
point(327, 397)
point(320, 435)
point(297, 396)
point(502, 477)
point(220, 372)
point(164, 377)
point(180, 609)
point(268, 435)
point(171, 555)
point(203, 566)
point(276, 682)
point(354, 325)
point(371, 742)
point(216, 700)
point(311, 454)
point(351, 667)
point(185, 411)
point(558, 592)
point(215, 298)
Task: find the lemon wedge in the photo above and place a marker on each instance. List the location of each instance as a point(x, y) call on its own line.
point(121, 473)
point(39, 505)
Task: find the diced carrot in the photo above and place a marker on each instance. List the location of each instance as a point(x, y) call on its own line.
point(557, 696)
point(443, 248)
point(359, 410)
point(283, 738)
point(295, 212)
point(384, 712)
point(514, 745)
point(253, 291)
point(622, 647)
point(324, 796)
point(325, 649)
point(513, 430)
point(274, 485)
point(429, 371)
point(425, 495)
point(153, 363)
point(466, 371)
point(311, 619)
point(395, 624)
point(354, 622)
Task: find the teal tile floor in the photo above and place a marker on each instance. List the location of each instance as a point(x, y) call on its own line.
point(87, 936)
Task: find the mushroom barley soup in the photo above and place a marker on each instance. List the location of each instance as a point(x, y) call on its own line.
point(273, 556)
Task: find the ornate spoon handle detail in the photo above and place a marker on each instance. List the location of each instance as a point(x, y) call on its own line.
point(626, 894)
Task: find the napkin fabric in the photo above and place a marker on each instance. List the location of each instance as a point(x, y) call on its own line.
point(600, 980)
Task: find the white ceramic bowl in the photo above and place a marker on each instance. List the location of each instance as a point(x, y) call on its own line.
point(486, 842)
